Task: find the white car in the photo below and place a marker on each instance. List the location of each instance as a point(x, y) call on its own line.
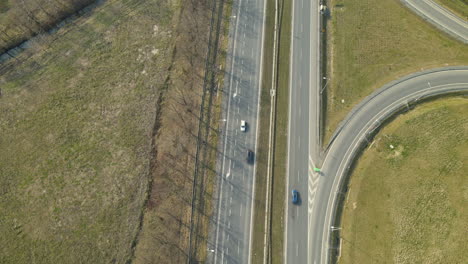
point(243, 125)
point(322, 9)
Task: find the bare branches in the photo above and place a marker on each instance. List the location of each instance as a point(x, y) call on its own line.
point(28, 18)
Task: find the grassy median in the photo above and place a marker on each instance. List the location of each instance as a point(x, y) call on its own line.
point(408, 192)
point(258, 228)
point(278, 180)
point(281, 137)
point(372, 42)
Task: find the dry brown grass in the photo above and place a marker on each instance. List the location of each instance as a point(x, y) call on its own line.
point(22, 19)
point(166, 225)
point(408, 204)
point(77, 124)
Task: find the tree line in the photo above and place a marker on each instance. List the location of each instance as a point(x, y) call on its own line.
point(24, 19)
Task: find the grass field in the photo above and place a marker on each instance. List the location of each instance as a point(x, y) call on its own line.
point(166, 224)
point(87, 123)
point(459, 7)
point(408, 204)
point(368, 49)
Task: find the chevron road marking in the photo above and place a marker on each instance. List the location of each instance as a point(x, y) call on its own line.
point(313, 180)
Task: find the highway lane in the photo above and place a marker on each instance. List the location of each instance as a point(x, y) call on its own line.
point(440, 17)
point(230, 232)
point(303, 141)
point(230, 239)
point(355, 130)
point(303, 136)
point(322, 188)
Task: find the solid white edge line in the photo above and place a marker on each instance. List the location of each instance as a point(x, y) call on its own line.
point(314, 57)
point(446, 13)
point(291, 51)
point(256, 134)
point(270, 132)
point(309, 126)
point(227, 131)
point(436, 20)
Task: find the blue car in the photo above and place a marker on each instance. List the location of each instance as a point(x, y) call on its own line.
point(295, 196)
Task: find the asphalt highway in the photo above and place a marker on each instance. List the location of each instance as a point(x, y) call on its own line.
point(303, 136)
point(318, 192)
point(440, 17)
point(308, 225)
point(230, 232)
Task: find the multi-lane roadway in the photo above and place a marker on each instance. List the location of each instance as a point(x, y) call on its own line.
point(303, 136)
point(307, 231)
point(230, 233)
point(319, 191)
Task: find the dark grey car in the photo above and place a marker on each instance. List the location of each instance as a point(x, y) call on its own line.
point(250, 156)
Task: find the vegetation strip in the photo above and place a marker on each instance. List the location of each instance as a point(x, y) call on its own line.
point(278, 183)
point(414, 181)
point(366, 51)
point(258, 228)
point(278, 177)
point(198, 193)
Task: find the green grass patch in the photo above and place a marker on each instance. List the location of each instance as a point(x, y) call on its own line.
point(76, 126)
point(458, 7)
point(408, 192)
point(368, 49)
